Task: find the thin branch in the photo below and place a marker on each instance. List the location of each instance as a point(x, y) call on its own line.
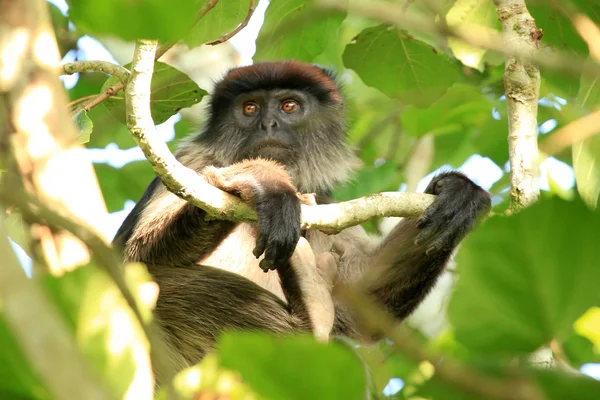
point(377, 321)
point(234, 32)
point(121, 73)
point(575, 131)
point(522, 89)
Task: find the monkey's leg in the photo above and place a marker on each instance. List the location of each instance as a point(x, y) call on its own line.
point(197, 303)
point(307, 284)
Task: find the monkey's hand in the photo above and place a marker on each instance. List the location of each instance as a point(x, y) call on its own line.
point(459, 204)
point(266, 186)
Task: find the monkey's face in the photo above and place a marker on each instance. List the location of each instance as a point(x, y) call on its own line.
point(272, 123)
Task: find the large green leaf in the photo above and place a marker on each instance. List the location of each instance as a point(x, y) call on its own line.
point(296, 29)
point(400, 66)
point(130, 20)
point(290, 368)
point(170, 91)
point(223, 18)
point(525, 279)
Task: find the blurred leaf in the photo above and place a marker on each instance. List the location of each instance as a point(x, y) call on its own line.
point(105, 328)
point(465, 13)
point(107, 129)
point(126, 183)
point(209, 379)
point(296, 29)
point(558, 385)
point(369, 179)
point(580, 350)
point(460, 108)
point(534, 283)
point(89, 83)
point(170, 91)
point(66, 39)
point(291, 368)
point(224, 17)
point(131, 20)
point(586, 153)
point(400, 66)
point(588, 326)
point(84, 126)
point(17, 379)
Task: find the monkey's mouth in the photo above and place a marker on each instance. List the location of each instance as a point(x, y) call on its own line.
point(273, 149)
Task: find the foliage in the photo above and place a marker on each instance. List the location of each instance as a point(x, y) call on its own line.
point(526, 280)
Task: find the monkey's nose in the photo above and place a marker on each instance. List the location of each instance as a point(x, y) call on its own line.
point(269, 124)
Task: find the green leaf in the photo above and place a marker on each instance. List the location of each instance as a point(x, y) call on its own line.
point(293, 367)
point(84, 126)
point(170, 91)
point(223, 18)
point(126, 183)
point(296, 29)
point(107, 129)
point(526, 278)
point(369, 179)
point(131, 20)
point(477, 13)
point(400, 66)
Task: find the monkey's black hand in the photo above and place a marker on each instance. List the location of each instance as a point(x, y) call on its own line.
point(265, 185)
point(279, 228)
point(459, 203)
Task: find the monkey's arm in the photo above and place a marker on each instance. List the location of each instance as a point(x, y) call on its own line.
point(414, 254)
point(407, 264)
point(164, 229)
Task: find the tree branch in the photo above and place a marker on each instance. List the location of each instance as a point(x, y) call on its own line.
point(234, 32)
point(109, 68)
point(522, 88)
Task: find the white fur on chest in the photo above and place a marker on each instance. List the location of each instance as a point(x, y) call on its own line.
point(234, 254)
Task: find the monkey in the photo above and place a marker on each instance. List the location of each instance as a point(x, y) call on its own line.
point(275, 129)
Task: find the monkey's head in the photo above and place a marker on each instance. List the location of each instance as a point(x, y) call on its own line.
point(288, 111)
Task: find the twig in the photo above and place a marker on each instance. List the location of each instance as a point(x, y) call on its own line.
point(114, 89)
point(79, 100)
point(121, 73)
point(575, 131)
point(522, 87)
point(234, 32)
point(373, 318)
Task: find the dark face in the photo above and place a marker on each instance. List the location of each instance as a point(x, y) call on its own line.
point(270, 122)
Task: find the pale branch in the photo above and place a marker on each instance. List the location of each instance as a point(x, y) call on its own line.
point(477, 37)
point(375, 320)
point(234, 32)
point(188, 185)
point(41, 332)
point(119, 72)
point(522, 88)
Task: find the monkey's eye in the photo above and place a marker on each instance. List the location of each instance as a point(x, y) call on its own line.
point(250, 108)
point(289, 106)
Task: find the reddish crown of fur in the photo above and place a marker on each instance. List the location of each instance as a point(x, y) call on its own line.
point(289, 74)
